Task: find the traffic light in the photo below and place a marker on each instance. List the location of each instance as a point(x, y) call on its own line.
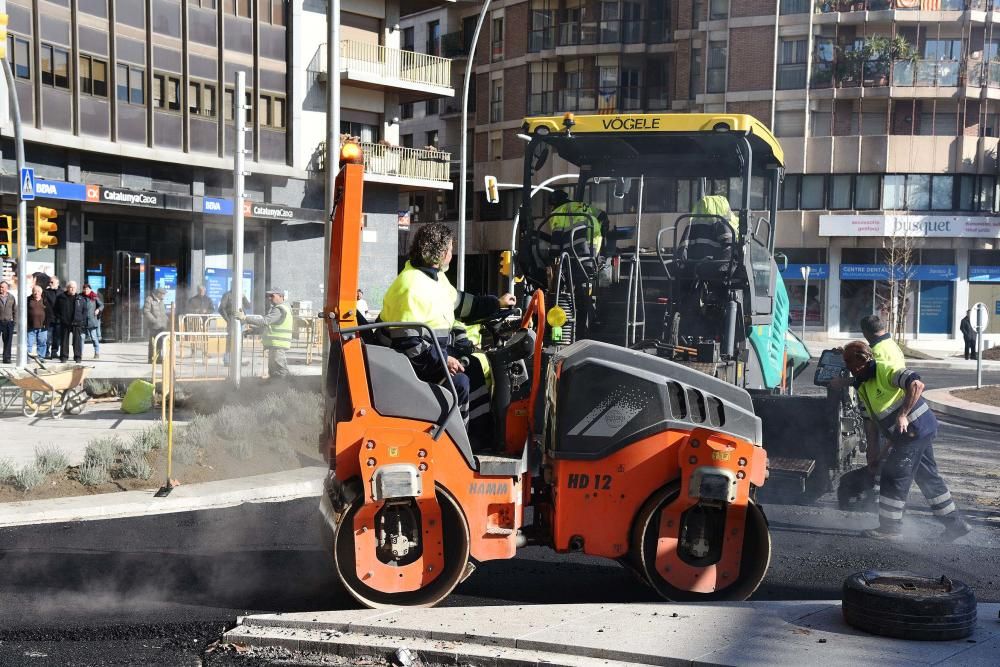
point(505, 263)
point(45, 228)
point(3, 35)
point(6, 236)
point(492, 191)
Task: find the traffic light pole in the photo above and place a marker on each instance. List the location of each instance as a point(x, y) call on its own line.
point(22, 221)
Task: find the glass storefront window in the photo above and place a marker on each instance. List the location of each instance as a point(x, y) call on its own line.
point(795, 285)
point(893, 193)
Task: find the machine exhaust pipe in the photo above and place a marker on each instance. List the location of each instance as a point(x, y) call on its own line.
point(729, 342)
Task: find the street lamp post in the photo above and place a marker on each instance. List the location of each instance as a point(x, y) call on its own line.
point(464, 160)
point(22, 220)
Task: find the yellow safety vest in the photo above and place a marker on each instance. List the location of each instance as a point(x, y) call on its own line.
point(415, 297)
point(280, 334)
point(886, 352)
point(573, 213)
point(717, 205)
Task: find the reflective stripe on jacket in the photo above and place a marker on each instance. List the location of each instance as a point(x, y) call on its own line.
point(883, 396)
point(279, 334)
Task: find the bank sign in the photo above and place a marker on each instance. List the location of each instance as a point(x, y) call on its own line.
point(914, 226)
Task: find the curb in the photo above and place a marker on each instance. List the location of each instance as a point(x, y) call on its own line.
point(943, 403)
point(664, 633)
point(269, 488)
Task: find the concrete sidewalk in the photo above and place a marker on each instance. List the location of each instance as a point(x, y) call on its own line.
point(71, 433)
point(748, 633)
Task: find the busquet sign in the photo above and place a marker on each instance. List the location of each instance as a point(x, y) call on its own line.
point(910, 225)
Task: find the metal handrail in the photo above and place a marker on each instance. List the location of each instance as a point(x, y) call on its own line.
point(406, 162)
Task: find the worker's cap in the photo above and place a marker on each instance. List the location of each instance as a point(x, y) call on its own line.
point(275, 290)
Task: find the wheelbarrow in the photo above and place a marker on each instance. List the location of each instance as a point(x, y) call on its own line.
point(50, 390)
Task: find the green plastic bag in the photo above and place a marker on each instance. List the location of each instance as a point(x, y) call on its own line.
point(138, 398)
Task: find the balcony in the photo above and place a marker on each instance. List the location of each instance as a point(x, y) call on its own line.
point(406, 166)
point(605, 100)
point(902, 73)
point(455, 45)
point(829, 6)
point(372, 65)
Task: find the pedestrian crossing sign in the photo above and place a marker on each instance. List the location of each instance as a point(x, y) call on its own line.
point(27, 184)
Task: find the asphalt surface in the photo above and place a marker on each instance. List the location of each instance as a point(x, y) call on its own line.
point(158, 590)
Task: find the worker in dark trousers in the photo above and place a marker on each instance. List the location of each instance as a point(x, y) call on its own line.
point(891, 396)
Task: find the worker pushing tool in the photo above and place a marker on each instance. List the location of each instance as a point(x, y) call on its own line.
point(276, 330)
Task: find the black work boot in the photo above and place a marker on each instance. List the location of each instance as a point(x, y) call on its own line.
point(884, 532)
point(956, 528)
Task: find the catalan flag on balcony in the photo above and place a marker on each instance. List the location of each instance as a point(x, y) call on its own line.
point(607, 100)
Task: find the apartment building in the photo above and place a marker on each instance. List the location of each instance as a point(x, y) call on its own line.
point(128, 108)
point(887, 111)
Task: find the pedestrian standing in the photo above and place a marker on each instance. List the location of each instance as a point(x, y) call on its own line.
point(227, 312)
point(277, 325)
point(154, 313)
point(39, 318)
point(95, 306)
point(891, 396)
point(71, 309)
point(968, 335)
point(50, 295)
point(8, 318)
point(200, 303)
point(362, 305)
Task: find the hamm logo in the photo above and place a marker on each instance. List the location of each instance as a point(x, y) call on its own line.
point(488, 488)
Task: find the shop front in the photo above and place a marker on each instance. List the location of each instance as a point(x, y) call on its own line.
point(917, 271)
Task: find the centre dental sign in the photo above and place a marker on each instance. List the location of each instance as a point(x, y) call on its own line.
point(914, 226)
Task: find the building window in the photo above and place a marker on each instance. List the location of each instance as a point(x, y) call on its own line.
point(406, 141)
point(241, 8)
point(866, 192)
point(264, 110)
point(19, 56)
point(918, 192)
point(229, 104)
point(166, 92)
point(272, 11)
point(364, 131)
point(790, 193)
point(406, 42)
point(987, 194)
point(204, 4)
point(840, 192)
point(695, 79)
point(406, 110)
point(496, 146)
point(55, 66)
point(93, 76)
point(716, 67)
point(279, 119)
point(795, 6)
point(432, 138)
point(792, 64)
point(942, 192)
point(894, 193)
point(718, 9)
point(497, 41)
point(496, 100)
point(131, 84)
point(434, 38)
point(431, 107)
point(813, 192)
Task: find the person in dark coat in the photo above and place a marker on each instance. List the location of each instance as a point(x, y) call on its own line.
point(51, 294)
point(968, 335)
point(71, 311)
point(8, 318)
point(95, 306)
point(39, 318)
point(200, 303)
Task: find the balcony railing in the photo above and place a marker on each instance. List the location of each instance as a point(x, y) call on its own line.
point(926, 73)
point(569, 30)
point(402, 162)
point(387, 63)
point(828, 6)
point(609, 100)
point(541, 104)
point(905, 73)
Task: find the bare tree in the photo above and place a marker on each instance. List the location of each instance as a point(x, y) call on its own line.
point(898, 252)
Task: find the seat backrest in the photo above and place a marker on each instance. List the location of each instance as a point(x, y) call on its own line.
point(396, 391)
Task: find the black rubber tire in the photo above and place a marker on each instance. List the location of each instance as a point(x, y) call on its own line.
point(754, 562)
point(455, 531)
point(933, 610)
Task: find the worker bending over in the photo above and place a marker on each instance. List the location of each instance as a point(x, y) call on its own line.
point(891, 396)
point(422, 293)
